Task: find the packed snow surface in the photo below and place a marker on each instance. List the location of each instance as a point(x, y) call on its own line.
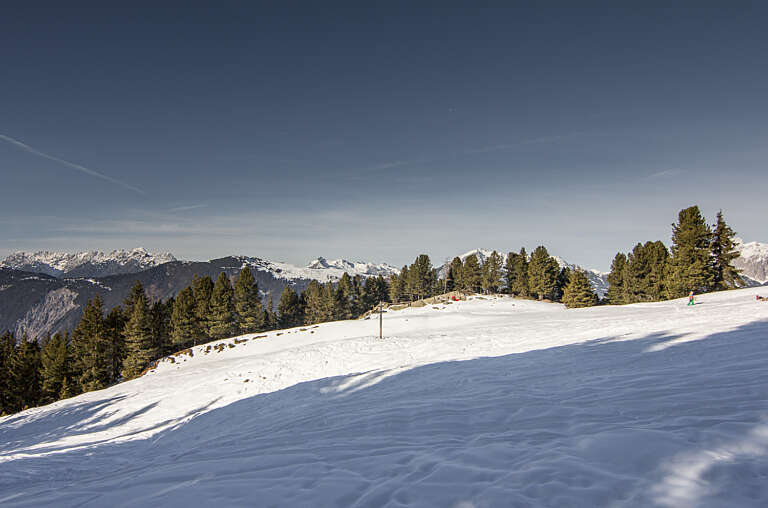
point(488, 402)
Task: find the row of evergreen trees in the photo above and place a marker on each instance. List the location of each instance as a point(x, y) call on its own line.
point(538, 276)
point(699, 260)
point(105, 348)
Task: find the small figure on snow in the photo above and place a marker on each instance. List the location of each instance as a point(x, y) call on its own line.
point(690, 298)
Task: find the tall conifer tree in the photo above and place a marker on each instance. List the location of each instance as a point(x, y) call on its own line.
point(492, 273)
point(92, 349)
point(221, 320)
point(288, 308)
point(250, 312)
point(139, 341)
point(616, 280)
point(8, 403)
point(114, 328)
point(521, 285)
point(471, 273)
point(690, 268)
point(184, 327)
point(203, 290)
point(542, 273)
point(25, 373)
point(54, 368)
point(725, 275)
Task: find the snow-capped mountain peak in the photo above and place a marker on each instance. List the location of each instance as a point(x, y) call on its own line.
point(87, 263)
point(320, 269)
point(753, 260)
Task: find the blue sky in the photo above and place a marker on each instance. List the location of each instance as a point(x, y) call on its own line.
point(288, 131)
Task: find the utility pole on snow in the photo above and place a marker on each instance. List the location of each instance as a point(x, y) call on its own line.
point(381, 320)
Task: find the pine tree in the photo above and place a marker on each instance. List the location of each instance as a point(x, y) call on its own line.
point(70, 386)
point(288, 308)
point(137, 290)
point(578, 292)
point(315, 303)
point(54, 367)
point(491, 273)
point(8, 398)
point(657, 257)
point(270, 317)
point(160, 318)
point(563, 278)
point(202, 288)
point(457, 271)
point(139, 341)
point(521, 284)
point(510, 274)
point(360, 294)
point(92, 349)
point(542, 273)
point(371, 295)
point(616, 280)
point(344, 288)
point(25, 373)
point(690, 268)
point(114, 329)
point(471, 273)
point(184, 327)
point(222, 309)
point(397, 286)
point(250, 312)
point(420, 277)
point(725, 275)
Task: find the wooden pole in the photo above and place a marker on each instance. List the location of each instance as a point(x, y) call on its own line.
point(381, 321)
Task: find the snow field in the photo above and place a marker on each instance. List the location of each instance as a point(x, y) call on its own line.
point(489, 402)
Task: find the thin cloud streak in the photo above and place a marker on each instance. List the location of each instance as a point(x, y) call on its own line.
point(72, 165)
point(669, 173)
point(186, 208)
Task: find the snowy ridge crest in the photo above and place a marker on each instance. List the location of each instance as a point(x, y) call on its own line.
point(86, 263)
point(752, 260)
point(320, 269)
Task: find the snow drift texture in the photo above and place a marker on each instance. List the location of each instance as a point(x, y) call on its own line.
point(490, 402)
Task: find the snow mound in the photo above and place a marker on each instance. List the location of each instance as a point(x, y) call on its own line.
point(488, 402)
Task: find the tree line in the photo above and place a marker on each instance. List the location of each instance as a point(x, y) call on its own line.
point(700, 260)
point(107, 347)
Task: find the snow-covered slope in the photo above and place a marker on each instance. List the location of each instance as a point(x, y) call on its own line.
point(86, 264)
point(598, 279)
point(320, 269)
point(489, 402)
point(752, 260)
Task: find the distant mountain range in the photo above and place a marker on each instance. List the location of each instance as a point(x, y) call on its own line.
point(86, 264)
point(753, 261)
point(46, 291)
